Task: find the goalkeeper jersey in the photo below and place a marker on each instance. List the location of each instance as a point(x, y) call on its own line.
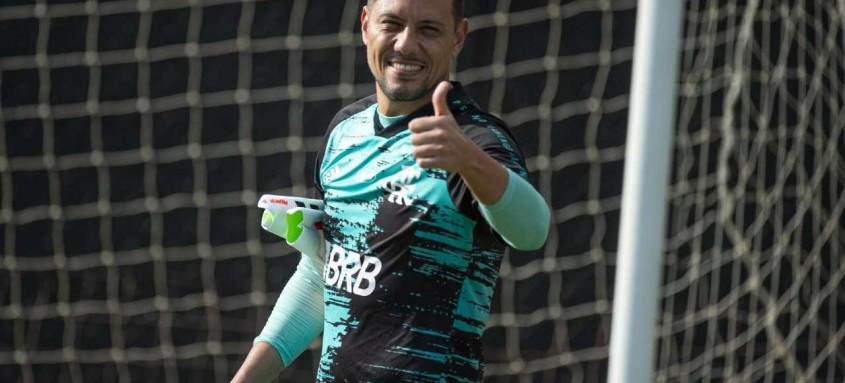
point(410, 263)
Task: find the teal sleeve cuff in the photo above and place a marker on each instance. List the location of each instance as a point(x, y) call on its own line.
point(520, 216)
point(297, 317)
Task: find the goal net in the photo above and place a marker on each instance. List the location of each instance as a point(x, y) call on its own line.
point(753, 288)
point(136, 135)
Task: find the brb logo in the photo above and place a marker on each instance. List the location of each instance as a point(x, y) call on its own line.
point(351, 271)
point(401, 186)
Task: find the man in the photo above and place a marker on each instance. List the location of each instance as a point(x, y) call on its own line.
point(422, 193)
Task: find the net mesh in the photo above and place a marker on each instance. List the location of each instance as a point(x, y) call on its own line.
point(753, 288)
point(135, 136)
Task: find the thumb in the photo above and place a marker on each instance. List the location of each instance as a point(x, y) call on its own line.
point(438, 99)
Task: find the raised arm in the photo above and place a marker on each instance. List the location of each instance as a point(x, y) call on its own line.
point(509, 203)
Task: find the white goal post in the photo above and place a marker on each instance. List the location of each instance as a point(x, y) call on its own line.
point(646, 179)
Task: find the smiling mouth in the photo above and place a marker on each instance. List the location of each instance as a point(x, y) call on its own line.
point(405, 68)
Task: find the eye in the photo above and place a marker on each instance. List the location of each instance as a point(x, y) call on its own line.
point(430, 31)
point(391, 25)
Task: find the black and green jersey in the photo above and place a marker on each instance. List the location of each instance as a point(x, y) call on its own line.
point(410, 263)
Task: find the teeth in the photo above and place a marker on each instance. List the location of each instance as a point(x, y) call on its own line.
point(407, 67)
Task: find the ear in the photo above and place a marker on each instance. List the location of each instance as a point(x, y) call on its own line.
point(365, 18)
point(460, 37)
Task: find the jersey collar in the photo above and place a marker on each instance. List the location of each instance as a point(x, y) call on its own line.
point(459, 102)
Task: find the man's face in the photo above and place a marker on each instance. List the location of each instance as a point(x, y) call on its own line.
point(410, 44)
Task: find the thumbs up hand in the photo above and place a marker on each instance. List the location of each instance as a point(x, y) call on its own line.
point(438, 140)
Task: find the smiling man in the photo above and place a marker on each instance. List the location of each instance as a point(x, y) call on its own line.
point(423, 191)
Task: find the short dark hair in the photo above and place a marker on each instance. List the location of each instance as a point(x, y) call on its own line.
point(457, 10)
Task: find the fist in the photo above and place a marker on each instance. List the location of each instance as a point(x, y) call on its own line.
point(437, 140)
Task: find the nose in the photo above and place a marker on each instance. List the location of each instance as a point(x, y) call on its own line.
point(406, 42)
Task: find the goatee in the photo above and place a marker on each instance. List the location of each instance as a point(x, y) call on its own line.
point(400, 93)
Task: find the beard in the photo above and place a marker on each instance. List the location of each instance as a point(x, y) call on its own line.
point(404, 93)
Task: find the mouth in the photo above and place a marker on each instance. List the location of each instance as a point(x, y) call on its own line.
point(405, 68)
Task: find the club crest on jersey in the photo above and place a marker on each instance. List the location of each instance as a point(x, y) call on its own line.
point(400, 186)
